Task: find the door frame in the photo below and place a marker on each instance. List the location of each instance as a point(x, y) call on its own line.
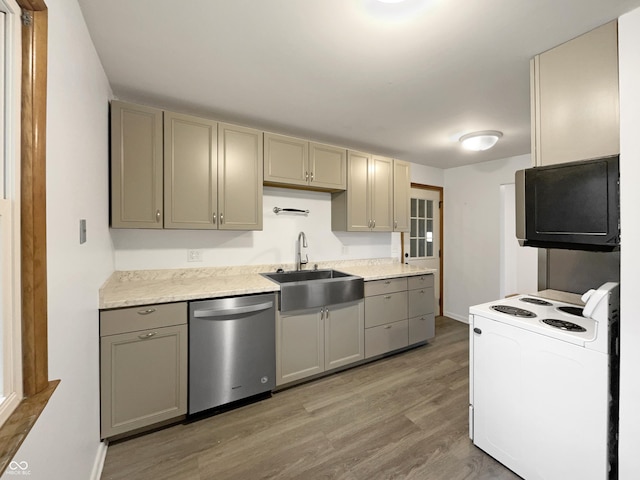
point(440, 191)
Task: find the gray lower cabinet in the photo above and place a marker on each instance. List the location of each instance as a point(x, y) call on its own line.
point(143, 367)
point(398, 312)
point(386, 326)
point(309, 342)
point(421, 313)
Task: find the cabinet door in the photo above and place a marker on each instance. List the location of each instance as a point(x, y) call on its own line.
point(358, 204)
point(240, 167)
point(576, 98)
point(143, 378)
point(286, 160)
point(136, 166)
point(190, 178)
point(422, 328)
point(344, 334)
point(328, 166)
point(401, 196)
point(381, 191)
point(299, 345)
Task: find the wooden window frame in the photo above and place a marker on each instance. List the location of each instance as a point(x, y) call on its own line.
point(37, 389)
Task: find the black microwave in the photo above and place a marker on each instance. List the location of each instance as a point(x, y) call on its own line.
point(572, 205)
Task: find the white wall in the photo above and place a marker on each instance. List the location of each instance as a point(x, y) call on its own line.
point(629, 48)
point(472, 212)
point(64, 442)
point(427, 175)
point(275, 244)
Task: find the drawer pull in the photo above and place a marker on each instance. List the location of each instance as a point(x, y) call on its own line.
point(147, 335)
point(388, 282)
point(147, 311)
point(387, 327)
point(387, 297)
point(421, 291)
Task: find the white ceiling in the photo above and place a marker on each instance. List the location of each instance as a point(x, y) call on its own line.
point(402, 80)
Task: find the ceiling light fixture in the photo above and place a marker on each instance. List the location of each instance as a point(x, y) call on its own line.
point(478, 141)
point(391, 1)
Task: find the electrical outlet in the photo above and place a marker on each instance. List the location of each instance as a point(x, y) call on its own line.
point(194, 255)
point(345, 250)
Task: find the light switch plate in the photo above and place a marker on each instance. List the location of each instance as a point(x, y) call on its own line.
point(83, 231)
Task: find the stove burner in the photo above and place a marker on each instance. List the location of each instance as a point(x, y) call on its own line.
point(571, 310)
point(562, 325)
point(515, 311)
point(536, 301)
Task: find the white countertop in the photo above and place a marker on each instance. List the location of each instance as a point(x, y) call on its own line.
point(144, 287)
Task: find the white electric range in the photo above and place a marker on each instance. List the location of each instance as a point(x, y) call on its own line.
point(543, 385)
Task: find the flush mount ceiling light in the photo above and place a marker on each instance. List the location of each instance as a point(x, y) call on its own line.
point(478, 141)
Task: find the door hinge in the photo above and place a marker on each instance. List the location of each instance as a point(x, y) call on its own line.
point(26, 17)
point(440, 204)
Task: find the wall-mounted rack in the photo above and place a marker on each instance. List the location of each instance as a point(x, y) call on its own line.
point(277, 210)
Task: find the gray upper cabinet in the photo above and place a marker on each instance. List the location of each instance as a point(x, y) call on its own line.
point(190, 172)
point(367, 204)
point(239, 178)
point(298, 163)
point(212, 172)
point(401, 196)
point(136, 166)
point(574, 99)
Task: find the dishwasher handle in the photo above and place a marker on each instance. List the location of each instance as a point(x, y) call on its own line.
point(225, 312)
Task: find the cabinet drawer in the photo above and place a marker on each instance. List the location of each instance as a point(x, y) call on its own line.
point(380, 287)
point(421, 302)
point(422, 328)
point(383, 309)
point(420, 281)
point(386, 338)
point(143, 317)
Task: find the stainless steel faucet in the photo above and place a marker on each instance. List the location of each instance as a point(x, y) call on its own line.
point(302, 236)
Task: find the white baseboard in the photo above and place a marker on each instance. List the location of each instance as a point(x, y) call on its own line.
point(98, 464)
point(457, 317)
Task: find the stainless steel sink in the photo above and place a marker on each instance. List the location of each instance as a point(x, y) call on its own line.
point(316, 288)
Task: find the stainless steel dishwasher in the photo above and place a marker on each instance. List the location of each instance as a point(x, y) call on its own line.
point(231, 350)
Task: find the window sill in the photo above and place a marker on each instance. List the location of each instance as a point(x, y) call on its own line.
point(19, 423)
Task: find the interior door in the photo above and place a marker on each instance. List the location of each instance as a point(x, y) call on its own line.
point(422, 243)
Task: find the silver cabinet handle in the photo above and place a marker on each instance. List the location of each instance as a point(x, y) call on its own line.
point(157, 216)
point(395, 224)
point(147, 311)
point(322, 314)
point(387, 327)
point(388, 282)
point(144, 336)
point(387, 297)
point(326, 313)
point(312, 176)
point(306, 175)
point(374, 224)
point(221, 219)
point(421, 291)
point(214, 218)
point(369, 224)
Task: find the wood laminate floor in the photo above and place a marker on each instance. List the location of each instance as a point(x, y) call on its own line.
point(403, 417)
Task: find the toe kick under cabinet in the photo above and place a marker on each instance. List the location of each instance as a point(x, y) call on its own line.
point(398, 312)
point(143, 366)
